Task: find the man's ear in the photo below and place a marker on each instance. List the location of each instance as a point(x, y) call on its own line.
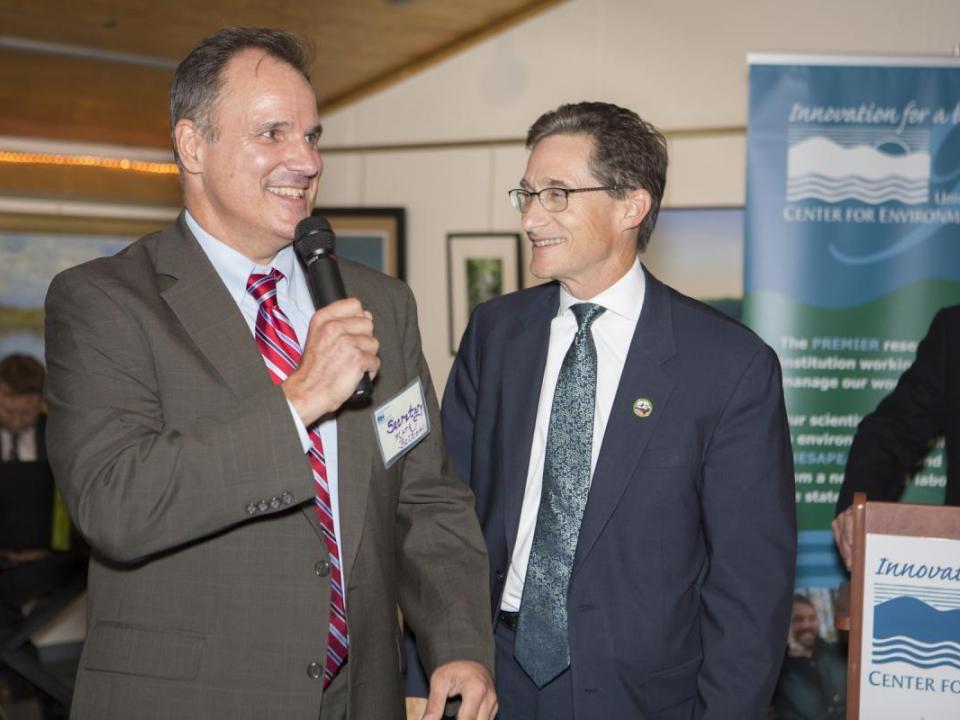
point(637, 205)
point(190, 144)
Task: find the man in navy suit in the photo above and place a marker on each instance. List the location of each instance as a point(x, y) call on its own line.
point(629, 452)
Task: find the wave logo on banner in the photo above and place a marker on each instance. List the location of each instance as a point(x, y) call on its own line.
point(910, 648)
point(921, 629)
point(869, 164)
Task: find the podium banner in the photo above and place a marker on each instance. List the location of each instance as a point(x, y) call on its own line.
point(910, 661)
point(852, 243)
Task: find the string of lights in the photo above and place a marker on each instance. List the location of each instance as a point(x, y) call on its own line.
point(37, 158)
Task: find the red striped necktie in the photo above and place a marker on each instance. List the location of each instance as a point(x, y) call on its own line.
point(281, 352)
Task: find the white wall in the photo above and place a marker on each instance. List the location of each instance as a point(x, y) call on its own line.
point(680, 64)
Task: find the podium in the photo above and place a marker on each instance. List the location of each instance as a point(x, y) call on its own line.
point(904, 651)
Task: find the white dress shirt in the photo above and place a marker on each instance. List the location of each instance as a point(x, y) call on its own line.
point(612, 333)
point(293, 297)
point(26, 445)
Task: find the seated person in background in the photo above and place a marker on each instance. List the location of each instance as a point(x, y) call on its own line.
point(813, 682)
point(27, 573)
point(22, 421)
point(893, 439)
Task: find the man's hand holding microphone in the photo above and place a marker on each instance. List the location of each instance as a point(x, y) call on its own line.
point(340, 352)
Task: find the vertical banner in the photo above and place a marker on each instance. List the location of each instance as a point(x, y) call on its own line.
point(852, 243)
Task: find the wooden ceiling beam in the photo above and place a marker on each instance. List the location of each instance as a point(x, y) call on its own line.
point(99, 70)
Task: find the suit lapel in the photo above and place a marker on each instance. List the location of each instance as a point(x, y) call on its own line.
point(209, 315)
point(523, 363)
point(626, 435)
point(206, 311)
point(355, 455)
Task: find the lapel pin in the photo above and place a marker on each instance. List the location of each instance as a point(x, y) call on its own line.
point(642, 407)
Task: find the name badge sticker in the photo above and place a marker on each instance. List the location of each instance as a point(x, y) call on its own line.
point(401, 422)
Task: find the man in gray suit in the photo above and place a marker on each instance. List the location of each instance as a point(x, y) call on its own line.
point(251, 541)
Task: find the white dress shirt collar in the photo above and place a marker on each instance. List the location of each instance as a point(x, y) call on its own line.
point(624, 297)
point(234, 267)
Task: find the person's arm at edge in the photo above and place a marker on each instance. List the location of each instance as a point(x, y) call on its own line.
point(749, 517)
point(448, 570)
point(458, 409)
point(891, 440)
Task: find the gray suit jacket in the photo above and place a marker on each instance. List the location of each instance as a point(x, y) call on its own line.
point(165, 432)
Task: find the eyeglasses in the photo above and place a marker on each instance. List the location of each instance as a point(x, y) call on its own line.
point(552, 199)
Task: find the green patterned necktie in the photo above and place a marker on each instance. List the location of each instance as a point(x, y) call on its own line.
point(541, 645)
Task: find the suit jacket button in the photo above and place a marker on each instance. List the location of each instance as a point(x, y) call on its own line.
point(251, 508)
point(322, 568)
point(264, 506)
point(286, 498)
point(500, 576)
point(314, 671)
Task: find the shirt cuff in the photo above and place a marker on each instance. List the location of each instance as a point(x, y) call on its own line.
point(305, 440)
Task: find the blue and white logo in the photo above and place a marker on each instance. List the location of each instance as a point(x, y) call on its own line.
point(921, 629)
point(870, 164)
point(910, 652)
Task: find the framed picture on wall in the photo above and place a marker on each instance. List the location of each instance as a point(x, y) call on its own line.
point(35, 247)
point(373, 236)
point(480, 266)
point(699, 251)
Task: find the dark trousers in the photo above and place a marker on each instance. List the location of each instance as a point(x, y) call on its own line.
point(519, 698)
point(35, 580)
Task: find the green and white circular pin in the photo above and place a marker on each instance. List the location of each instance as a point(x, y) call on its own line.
point(643, 407)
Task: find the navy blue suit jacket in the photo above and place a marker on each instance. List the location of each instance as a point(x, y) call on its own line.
point(681, 591)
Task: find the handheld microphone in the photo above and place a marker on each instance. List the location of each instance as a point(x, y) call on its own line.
point(315, 245)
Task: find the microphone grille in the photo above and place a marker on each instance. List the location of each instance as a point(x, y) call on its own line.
point(314, 235)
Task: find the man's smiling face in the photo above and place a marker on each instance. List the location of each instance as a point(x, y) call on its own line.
point(257, 176)
point(587, 246)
